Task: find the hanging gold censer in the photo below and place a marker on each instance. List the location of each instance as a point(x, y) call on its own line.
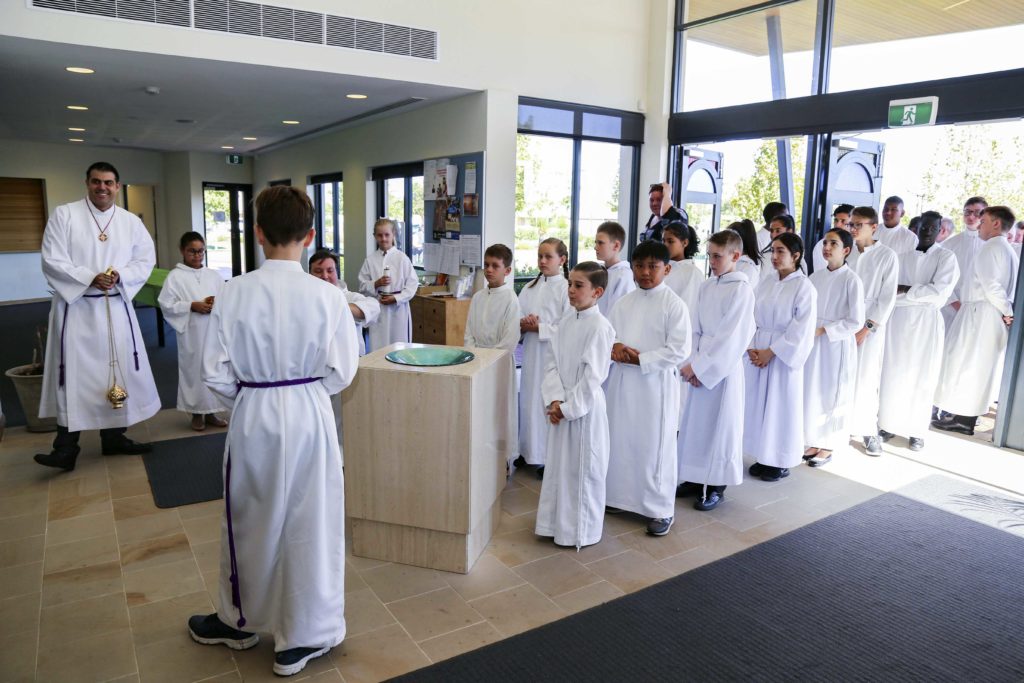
point(116, 394)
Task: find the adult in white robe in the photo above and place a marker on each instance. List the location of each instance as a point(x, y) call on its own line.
point(898, 238)
point(184, 286)
point(548, 299)
point(973, 358)
point(878, 268)
point(915, 340)
point(283, 536)
point(643, 401)
point(572, 499)
point(76, 377)
point(830, 374)
point(620, 283)
point(711, 433)
point(785, 311)
point(965, 247)
point(493, 321)
point(395, 321)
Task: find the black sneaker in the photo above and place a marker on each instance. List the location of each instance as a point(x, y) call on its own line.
point(916, 443)
point(774, 473)
point(291, 662)
point(711, 502)
point(659, 527)
point(540, 472)
point(757, 469)
point(210, 630)
point(519, 462)
point(872, 445)
point(125, 446)
point(885, 435)
point(688, 488)
point(62, 460)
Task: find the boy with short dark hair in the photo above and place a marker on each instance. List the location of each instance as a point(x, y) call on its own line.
point(652, 339)
point(494, 315)
point(280, 344)
point(608, 243)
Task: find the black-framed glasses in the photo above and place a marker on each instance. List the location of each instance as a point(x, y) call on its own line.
point(195, 252)
point(971, 212)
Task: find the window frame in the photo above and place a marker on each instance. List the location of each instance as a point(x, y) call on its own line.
point(319, 183)
point(380, 175)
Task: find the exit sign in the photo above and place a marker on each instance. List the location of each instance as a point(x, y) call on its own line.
point(918, 111)
point(234, 159)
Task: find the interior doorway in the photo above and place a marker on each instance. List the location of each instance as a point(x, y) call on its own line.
point(141, 201)
point(228, 220)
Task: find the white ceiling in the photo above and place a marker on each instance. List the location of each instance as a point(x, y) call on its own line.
point(226, 100)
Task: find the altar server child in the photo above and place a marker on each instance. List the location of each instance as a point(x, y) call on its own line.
point(785, 310)
point(973, 361)
point(542, 303)
point(571, 507)
point(281, 342)
point(914, 340)
point(685, 276)
point(388, 275)
point(751, 257)
point(493, 321)
point(830, 375)
point(186, 300)
point(608, 247)
point(711, 433)
point(878, 268)
point(652, 339)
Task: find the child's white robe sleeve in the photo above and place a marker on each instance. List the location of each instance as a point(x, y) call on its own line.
point(795, 345)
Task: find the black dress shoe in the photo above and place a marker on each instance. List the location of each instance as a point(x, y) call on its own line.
point(885, 435)
point(709, 503)
point(125, 446)
point(774, 473)
point(291, 662)
point(757, 469)
point(540, 472)
point(63, 460)
point(916, 444)
point(519, 462)
point(688, 488)
point(819, 460)
point(954, 427)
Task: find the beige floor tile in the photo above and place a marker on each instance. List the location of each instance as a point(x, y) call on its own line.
point(21, 579)
point(207, 556)
point(93, 658)
point(608, 546)
point(135, 506)
point(353, 581)
point(517, 609)
point(330, 676)
point(398, 581)
point(616, 525)
point(231, 677)
point(527, 520)
point(148, 527)
point(203, 529)
point(364, 612)
point(717, 537)
point(154, 552)
point(65, 503)
point(163, 581)
point(210, 507)
point(463, 640)
point(18, 657)
point(520, 547)
point(691, 559)
point(86, 480)
point(360, 564)
point(630, 571)
point(24, 504)
point(22, 526)
point(157, 621)
point(61, 624)
point(377, 656)
point(557, 574)
point(79, 528)
point(19, 615)
point(178, 659)
point(489, 575)
point(256, 665)
point(81, 583)
point(660, 547)
point(588, 596)
point(738, 516)
point(21, 551)
point(78, 554)
point(125, 467)
point(434, 614)
point(127, 487)
point(130, 678)
point(519, 501)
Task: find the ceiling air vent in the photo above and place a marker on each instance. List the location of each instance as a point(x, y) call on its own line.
point(105, 8)
point(309, 27)
point(369, 35)
point(244, 18)
point(173, 12)
point(211, 15)
point(341, 31)
point(277, 23)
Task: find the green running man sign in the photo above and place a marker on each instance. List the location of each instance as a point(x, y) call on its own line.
point(918, 111)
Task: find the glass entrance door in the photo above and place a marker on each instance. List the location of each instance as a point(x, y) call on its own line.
point(228, 218)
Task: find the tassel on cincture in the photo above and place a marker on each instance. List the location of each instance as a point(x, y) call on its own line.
point(136, 361)
point(62, 374)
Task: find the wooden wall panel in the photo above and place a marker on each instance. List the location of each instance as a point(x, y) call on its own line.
point(22, 214)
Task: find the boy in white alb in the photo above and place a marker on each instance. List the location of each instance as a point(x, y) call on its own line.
point(493, 321)
point(711, 454)
point(281, 343)
point(608, 247)
point(652, 339)
point(571, 507)
point(186, 300)
point(388, 275)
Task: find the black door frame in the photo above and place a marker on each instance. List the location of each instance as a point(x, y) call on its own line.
point(240, 224)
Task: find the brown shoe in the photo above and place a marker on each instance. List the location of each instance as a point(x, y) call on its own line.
point(197, 423)
point(214, 421)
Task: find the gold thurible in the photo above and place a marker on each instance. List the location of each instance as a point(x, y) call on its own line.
point(116, 394)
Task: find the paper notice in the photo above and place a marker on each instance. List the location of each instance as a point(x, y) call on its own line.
point(450, 257)
point(430, 175)
point(471, 245)
point(470, 178)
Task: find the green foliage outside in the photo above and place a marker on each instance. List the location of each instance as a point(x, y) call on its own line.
point(762, 186)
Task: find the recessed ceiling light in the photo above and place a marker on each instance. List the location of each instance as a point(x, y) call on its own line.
point(75, 140)
point(355, 96)
point(290, 123)
point(226, 147)
point(77, 130)
point(77, 107)
point(79, 69)
point(250, 139)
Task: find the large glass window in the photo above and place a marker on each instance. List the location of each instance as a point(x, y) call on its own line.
point(329, 214)
point(400, 198)
point(575, 169)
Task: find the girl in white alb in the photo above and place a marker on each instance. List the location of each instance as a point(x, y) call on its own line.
point(388, 275)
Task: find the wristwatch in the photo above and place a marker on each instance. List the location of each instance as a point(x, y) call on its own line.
point(870, 325)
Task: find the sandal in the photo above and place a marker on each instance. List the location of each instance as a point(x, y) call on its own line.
point(811, 453)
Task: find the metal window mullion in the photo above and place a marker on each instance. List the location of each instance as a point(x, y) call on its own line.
point(634, 192)
point(336, 215)
point(407, 216)
point(574, 203)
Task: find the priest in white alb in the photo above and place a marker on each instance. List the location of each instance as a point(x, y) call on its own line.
point(96, 256)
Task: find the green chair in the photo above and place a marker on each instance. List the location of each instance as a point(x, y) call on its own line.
point(148, 295)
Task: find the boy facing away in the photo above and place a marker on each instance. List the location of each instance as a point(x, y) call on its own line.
point(280, 344)
point(652, 339)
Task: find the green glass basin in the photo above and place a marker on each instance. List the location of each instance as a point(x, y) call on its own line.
point(433, 356)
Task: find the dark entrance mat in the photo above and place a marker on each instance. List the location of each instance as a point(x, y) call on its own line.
point(894, 589)
point(186, 471)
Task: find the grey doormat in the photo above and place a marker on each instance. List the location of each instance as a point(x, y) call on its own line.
point(926, 586)
point(186, 471)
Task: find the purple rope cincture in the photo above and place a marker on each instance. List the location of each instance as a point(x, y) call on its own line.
point(63, 326)
point(281, 383)
point(135, 350)
point(236, 592)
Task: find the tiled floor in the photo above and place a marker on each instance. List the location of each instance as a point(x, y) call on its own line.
point(96, 582)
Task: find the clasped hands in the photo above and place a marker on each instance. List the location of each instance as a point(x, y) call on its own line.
point(554, 412)
point(688, 374)
point(625, 354)
point(760, 357)
point(204, 306)
point(105, 282)
point(529, 323)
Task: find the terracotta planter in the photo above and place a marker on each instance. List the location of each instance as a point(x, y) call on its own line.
point(30, 388)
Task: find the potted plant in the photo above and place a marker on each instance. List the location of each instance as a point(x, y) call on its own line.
point(28, 382)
